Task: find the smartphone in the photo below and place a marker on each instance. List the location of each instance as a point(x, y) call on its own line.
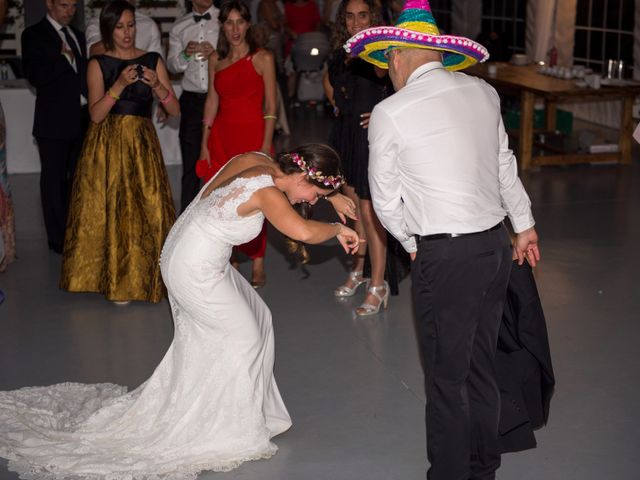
point(140, 71)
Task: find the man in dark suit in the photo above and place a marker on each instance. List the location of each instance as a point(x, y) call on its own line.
point(54, 61)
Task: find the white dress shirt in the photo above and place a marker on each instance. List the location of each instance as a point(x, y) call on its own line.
point(439, 159)
point(147, 34)
point(183, 31)
point(58, 27)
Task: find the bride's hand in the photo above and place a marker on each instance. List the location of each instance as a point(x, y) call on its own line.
point(344, 206)
point(348, 238)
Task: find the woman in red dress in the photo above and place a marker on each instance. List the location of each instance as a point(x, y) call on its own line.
point(239, 114)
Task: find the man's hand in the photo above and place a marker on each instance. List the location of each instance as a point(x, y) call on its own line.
point(526, 247)
point(412, 256)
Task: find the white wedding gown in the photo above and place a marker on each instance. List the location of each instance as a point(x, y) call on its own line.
point(212, 402)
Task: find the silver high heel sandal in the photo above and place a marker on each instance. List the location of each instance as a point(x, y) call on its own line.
point(357, 279)
point(367, 309)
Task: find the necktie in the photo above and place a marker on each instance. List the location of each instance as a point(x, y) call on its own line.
point(71, 43)
point(206, 16)
point(80, 60)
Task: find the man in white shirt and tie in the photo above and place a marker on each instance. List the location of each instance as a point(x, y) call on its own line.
point(148, 37)
point(442, 180)
point(192, 39)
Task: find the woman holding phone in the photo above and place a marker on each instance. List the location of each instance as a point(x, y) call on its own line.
point(121, 207)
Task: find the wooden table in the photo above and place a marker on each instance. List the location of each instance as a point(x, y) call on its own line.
point(526, 83)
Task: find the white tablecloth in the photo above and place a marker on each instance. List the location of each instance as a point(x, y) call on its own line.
point(18, 101)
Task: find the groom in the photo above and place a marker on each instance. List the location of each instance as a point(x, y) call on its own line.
point(442, 180)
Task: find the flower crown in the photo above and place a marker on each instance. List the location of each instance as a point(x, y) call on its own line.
point(333, 181)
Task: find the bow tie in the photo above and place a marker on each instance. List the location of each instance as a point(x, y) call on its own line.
point(206, 16)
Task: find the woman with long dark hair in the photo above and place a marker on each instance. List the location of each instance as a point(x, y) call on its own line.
point(240, 109)
point(121, 207)
point(212, 403)
point(354, 87)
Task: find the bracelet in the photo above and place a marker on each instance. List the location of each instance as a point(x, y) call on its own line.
point(112, 95)
point(270, 117)
point(339, 225)
point(185, 56)
point(110, 99)
point(207, 121)
point(166, 99)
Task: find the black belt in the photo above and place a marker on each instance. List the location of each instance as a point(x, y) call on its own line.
point(439, 236)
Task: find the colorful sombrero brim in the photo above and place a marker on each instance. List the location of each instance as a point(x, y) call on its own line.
point(457, 52)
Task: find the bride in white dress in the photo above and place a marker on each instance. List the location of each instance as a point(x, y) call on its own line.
point(212, 402)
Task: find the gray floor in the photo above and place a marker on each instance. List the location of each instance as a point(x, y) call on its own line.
point(354, 386)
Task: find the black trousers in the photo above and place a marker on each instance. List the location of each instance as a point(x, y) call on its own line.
point(191, 113)
point(459, 288)
point(58, 159)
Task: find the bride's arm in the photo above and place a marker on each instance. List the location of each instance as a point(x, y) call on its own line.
point(281, 215)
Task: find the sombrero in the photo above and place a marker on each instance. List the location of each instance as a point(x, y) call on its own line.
point(416, 28)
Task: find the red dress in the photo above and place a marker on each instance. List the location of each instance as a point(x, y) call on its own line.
point(238, 126)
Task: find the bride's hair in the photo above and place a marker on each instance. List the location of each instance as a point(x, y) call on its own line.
point(316, 158)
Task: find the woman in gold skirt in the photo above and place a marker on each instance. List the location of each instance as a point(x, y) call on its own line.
point(121, 207)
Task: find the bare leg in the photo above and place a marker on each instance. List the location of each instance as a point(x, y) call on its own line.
point(258, 277)
point(377, 243)
point(234, 259)
point(358, 260)
point(292, 81)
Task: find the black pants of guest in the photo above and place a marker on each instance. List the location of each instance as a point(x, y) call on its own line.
point(58, 159)
point(459, 287)
point(191, 113)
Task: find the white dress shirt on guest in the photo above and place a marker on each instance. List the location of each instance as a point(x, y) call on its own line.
point(147, 34)
point(183, 31)
point(58, 29)
point(439, 159)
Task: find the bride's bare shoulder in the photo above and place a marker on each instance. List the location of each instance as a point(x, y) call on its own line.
point(255, 164)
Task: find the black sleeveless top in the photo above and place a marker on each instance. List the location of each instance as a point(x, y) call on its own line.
point(137, 98)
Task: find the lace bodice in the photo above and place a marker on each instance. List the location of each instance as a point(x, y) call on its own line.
point(213, 224)
point(222, 203)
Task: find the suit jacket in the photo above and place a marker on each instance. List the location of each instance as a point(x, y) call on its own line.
point(58, 86)
point(523, 363)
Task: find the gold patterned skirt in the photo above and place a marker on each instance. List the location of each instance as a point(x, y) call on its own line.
point(121, 210)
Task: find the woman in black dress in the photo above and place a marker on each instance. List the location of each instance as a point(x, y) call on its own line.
point(354, 87)
point(121, 206)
